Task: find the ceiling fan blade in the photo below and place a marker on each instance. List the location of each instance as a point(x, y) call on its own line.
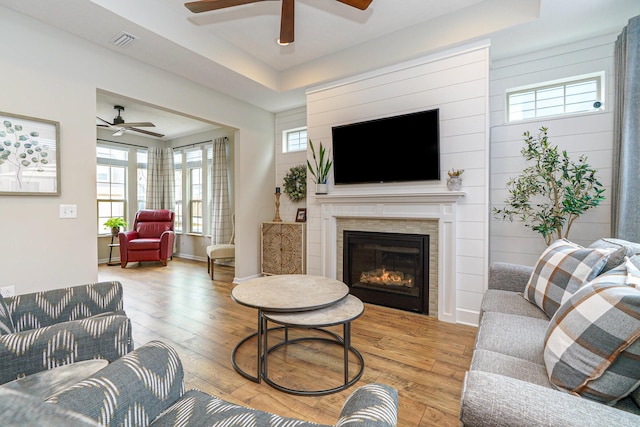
point(147, 132)
point(137, 125)
point(119, 132)
point(359, 4)
point(104, 121)
point(287, 20)
point(207, 5)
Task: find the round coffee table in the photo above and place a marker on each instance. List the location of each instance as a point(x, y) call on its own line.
point(282, 294)
point(340, 313)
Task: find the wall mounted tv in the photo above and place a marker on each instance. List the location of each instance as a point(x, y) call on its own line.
point(392, 149)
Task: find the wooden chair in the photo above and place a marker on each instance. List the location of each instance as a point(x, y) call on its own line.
point(222, 251)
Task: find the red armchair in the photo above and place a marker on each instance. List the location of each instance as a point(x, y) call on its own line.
point(151, 238)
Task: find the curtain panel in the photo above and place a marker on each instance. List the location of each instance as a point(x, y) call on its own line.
point(160, 179)
point(221, 227)
point(625, 203)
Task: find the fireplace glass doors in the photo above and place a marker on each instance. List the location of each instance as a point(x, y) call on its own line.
point(389, 269)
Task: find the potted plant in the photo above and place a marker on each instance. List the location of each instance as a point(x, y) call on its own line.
point(454, 182)
point(320, 170)
point(115, 224)
point(552, 192)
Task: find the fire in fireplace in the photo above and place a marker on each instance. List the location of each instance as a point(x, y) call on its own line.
point(389, 269)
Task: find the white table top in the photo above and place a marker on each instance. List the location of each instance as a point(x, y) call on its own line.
point(290, 292)
point(346, 310)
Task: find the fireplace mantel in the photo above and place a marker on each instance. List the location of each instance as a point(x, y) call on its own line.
point(430, 197)
point(437, 205)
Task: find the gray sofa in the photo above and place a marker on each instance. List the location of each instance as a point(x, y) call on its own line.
point(507, 383)
point(146, 387)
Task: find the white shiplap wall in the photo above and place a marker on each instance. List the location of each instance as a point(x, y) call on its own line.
point(456, 82)
point(286, 120)
point(590, 134)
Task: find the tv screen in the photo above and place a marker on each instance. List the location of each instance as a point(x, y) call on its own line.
point(393, 149)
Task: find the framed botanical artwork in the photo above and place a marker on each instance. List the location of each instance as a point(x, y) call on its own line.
point(301, 216)
point(29, 156)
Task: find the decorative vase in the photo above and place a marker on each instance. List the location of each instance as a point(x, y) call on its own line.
point(454, 183)
point(322, 188)
point(115, 231)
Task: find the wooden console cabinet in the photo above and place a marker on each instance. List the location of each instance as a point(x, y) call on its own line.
point(283, 248)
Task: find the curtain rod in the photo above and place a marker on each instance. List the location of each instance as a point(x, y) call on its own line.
point(120, 143)
point(198, 143)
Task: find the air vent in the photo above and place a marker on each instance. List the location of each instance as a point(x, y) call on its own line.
point(123, 39)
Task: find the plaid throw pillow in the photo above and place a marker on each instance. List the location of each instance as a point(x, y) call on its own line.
point(561, 270)
point(592, 347)
point(6, 323)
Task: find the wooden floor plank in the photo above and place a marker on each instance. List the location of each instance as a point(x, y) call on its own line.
point(179, 304)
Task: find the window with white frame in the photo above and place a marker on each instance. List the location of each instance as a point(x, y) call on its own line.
point(294, 140)
point(194, 177)
point(578, 94)
point(142, 156)
point(177, 162)
point(111, 177)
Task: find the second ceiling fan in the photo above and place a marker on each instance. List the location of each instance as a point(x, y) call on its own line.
point(286, 18)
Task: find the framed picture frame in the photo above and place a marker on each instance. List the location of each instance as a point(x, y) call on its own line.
point(29, 156)
point(301, 215)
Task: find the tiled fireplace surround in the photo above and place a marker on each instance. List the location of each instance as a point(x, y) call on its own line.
point(433, 214)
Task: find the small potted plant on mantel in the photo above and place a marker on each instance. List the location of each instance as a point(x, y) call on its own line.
point(454, 182)
point(115, 224)
point(321, 170)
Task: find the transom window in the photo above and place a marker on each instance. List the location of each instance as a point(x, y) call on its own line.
point(575, 95)
point(294, 140)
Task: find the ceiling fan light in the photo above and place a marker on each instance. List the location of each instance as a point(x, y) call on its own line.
point(282, 43)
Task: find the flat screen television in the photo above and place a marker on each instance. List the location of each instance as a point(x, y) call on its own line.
point(392, 149)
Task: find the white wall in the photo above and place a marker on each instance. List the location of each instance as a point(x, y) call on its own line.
point(456, 82)
point(52, 75)
point(590, 134)
point(286, 120)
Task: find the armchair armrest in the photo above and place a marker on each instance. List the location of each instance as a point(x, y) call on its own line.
point(371, 405)
point(144, 382)
point(39, 309)
point(107, 336)
point(490, 400)
point(509, 277)
point(166, 244)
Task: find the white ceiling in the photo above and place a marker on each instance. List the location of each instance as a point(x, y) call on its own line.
point(234, 50)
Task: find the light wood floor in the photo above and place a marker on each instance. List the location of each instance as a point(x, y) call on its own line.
point(423, 358)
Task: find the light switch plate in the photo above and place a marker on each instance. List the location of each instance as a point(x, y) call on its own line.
point(68, 211)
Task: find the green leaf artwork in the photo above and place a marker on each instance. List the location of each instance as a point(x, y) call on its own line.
point(21, 150)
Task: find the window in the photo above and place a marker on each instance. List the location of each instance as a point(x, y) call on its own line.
point(112, 166)
point(194, 168)
point(142, 156)
point(177, 161)
point(576, 95)
point(294, 140)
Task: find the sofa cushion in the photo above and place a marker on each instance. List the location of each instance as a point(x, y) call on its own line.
point(513, 335)
point(509, 366)
point(150, 244)
point(6, 323)
point(623, 248)
point(510, 303)
point(592, 347)
point(561, 270)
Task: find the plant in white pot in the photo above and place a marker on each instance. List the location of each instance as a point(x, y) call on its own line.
point(320, 170)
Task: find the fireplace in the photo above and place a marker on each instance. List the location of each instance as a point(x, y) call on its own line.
point(389, 269)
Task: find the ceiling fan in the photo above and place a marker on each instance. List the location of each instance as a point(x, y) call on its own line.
point(286, 18)
point(121, 126)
